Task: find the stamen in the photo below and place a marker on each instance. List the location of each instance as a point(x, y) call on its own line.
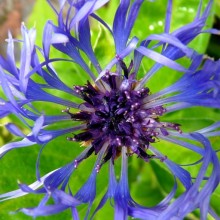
point(119, 115)
point(127, 95)
point(75, 163)
point(117, 57)
point(161, 158)
point(118, 141)
point(98, 167)
point(66, 110)
point(70, 139)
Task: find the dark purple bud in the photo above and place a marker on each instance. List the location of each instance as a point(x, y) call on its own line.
point(125, 127)
point(124, 67)
point(143, 154)
point(84, 136)
point(102, 114)
point(96, 125)
point(81, 116)
point(98, 143)
point(164, 131)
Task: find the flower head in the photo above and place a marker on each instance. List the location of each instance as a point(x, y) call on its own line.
point(114, 115)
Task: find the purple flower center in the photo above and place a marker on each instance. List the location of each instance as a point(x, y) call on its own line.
point(119, 116)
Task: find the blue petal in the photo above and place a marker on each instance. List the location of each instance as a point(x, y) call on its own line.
point(44, 210)
point(65, 198)
point(161, 59)
point(26, 54)
point(130, 48)
point(88, 8)
point(14, 130)
point(179, 172)
point(14, 145)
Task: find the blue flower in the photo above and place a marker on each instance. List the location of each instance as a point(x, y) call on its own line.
point(117, 116)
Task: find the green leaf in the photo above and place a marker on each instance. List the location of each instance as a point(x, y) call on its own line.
point(149, 182)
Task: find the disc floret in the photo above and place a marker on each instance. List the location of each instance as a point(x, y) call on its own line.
point(119, 116)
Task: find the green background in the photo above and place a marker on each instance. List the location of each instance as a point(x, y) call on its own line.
point(149, 182)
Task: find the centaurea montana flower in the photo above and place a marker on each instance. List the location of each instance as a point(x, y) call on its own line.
point(117, 115)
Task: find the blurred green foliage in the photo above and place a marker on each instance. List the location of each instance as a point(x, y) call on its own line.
point(149, 182)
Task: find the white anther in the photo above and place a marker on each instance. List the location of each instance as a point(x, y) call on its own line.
point(97, 168)
point(75, 163)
